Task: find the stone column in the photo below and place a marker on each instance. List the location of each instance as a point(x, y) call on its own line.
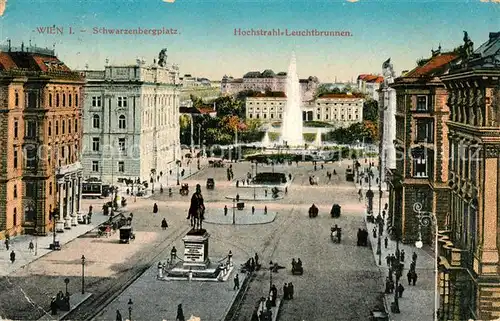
point(67, 217)
point(74, 189)
point(60, 221)
point(79, 200)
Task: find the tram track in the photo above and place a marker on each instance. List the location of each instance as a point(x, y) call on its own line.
point(107, 293)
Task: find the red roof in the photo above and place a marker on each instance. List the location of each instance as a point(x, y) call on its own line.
point(433, 66)
point(354, 95)
point(371, 78)
point(31, 61)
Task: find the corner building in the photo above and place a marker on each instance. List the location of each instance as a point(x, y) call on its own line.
point(421, 172)
point(131, 126)
point(40, 142)
point(469, 244)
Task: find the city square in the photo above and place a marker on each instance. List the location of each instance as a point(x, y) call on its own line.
point(250, 161)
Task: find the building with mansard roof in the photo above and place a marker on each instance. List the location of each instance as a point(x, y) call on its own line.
point(40, 142)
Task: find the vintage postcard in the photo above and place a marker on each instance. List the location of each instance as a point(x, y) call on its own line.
point(249, 160)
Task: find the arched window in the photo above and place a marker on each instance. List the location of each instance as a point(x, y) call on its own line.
point(16, 98)
point(15, 217)
point(70, 100)
point(76, 100)
point(122, 124)
point(76, 125)
point(57, 127)
point(64, 100)
point(15, 191)
point(96, 121)
point(50, 188)
point(50, 100)
point(29, 214)
point(57, 100)
point(63, 126)
point(69, 126)
point(50, 128)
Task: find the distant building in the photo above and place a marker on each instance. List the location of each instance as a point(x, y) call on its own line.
point(267, 81)
point(341, 110)
point(189, 81)
point(469, 243)
point(131, 127)
point(369, 85)
point(40, 142)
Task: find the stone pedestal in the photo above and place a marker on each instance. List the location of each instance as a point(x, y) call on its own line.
point(196, 250)
point(74, 220)
point(67, 223)
point(60, 226)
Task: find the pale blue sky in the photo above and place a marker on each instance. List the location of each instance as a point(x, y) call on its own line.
point(206, 45)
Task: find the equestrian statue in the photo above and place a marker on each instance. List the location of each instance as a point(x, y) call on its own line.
point(197, 209)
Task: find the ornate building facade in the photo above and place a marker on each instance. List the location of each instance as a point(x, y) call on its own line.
point(40, 142)
point(131, 126)
point(470, 241)
point(340, 110)
point(267, 81)
point(421, 172)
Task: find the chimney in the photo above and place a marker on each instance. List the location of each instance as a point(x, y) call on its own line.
point(494, 35)
point(8, 41)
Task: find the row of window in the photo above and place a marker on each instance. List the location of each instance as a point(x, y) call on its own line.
point(31, 128)
point(67, 156)
point(96, 166)
point(96, 144)
point(122, 101)
point(61, 100)
point(96, 122)
point(318, 116)
point(250, 110)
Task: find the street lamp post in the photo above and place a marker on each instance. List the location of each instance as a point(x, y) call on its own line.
point(425, 219)
point(234, 217)
point(270, 275)
point(130, 303)
point(83, 274)
point(66, 281)
point(398, 275)
point(178, 182)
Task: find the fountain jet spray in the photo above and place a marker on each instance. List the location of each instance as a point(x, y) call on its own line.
point(291, 128)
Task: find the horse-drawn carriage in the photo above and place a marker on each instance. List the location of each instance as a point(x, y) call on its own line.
point(313, 211)
point(184, 189)
point(336, 234)
point(336, 209)
point(126, 234)
point(313, 180)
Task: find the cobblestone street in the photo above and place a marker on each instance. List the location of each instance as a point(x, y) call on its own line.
point(340, 281)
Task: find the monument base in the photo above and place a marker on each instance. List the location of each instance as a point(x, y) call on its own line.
point(213, 273)
point(196, 250)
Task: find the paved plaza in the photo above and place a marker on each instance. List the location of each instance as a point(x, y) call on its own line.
point(340, 281)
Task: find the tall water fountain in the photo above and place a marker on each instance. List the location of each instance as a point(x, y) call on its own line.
point(266, 141)
point(291, 128)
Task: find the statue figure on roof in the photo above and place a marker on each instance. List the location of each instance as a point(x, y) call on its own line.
point(468, 46)
point(388, 71)
point(162, 58)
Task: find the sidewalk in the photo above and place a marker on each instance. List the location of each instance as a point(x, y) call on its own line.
point(20, 245)
point(417, 302)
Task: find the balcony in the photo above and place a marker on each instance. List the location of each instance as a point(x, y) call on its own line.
point(68, 169)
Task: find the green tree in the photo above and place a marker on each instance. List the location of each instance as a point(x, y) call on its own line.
point(370, 110)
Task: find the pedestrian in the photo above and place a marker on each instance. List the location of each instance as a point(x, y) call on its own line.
point(118, 316)
point(387, 285)
point(414, 277)
point(180, 314)
point(225, 210)
point(409, 276)
point(402, 255)
point(164, 224)
point(386, 242)
point(173, 254)
point(12, 256)
point(265, 209)
point(31, 246)
point(253, 209)
point(412, 266)
point(265, 193)
point(286, 190)
point(290, 289)
point(391, 286)
point(256, 259)
point(236, 282)
point(400, 290)
point(237, 197)
point(383, 215)
point(155, 208)
point(7, 243)
point(414, 257)
point(53, 306)
point(374, 231)
point(285, 292)
point(388, 260)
